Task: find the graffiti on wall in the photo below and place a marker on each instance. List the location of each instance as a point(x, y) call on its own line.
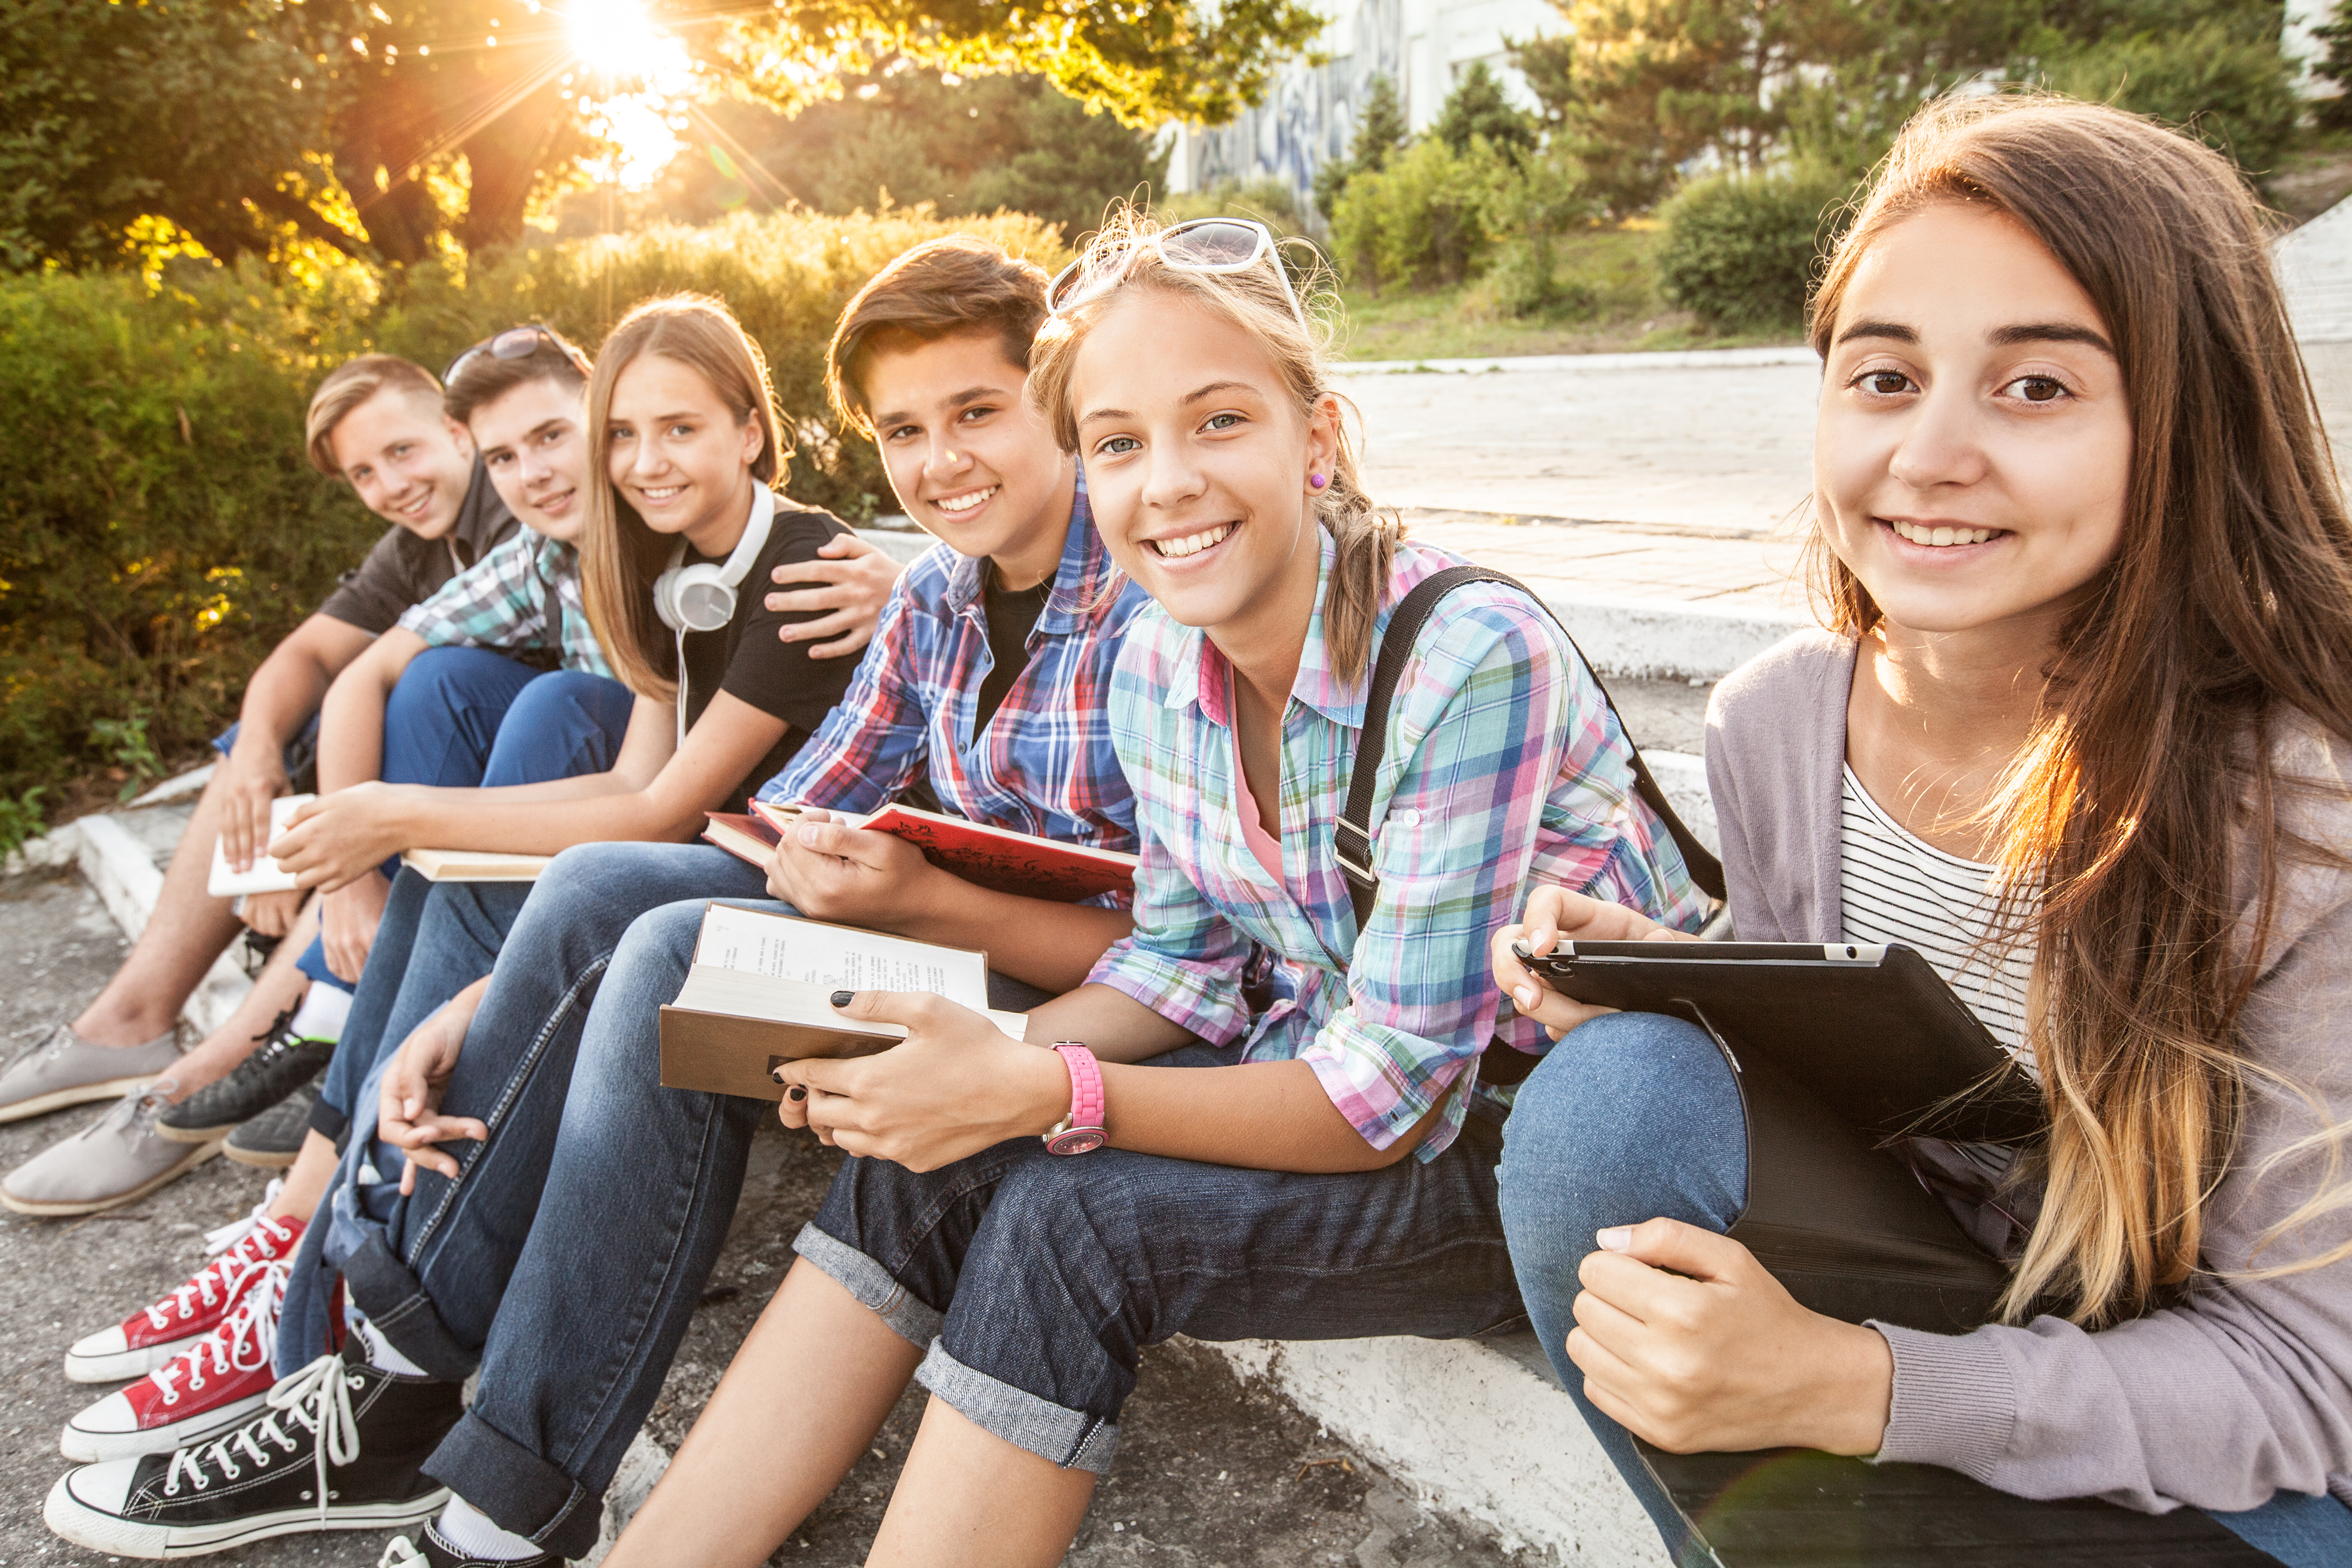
point(1309, 116)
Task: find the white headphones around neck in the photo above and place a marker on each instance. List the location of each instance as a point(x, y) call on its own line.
point(701, 597)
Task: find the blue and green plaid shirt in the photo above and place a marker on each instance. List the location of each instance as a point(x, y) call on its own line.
point(1504, 767)
point(504, 601)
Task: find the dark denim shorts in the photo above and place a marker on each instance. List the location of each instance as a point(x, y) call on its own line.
point(1034, 1280)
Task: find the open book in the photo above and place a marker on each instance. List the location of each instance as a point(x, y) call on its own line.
point(759, 995)
point(263, 876)
point(994, 858)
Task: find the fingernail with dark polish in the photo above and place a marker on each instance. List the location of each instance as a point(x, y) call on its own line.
point(797, 1092)
point(777, 1073)
point(843, 998)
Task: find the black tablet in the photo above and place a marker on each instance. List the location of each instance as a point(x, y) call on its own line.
point(1873, 1032)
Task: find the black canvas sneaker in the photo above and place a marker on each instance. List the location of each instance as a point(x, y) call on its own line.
point(338, 1446)
point(281, 1062)
point(430, 1551)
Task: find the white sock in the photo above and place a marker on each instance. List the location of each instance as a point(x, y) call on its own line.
point(471, 1531)
point(321, 1016)
point(380, 1353)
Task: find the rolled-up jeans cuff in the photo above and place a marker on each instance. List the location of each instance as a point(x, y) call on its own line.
point(328, 1122)
point(871, 1283)
point(521, 1491)
point(397, 1304)
point(1070, 1438)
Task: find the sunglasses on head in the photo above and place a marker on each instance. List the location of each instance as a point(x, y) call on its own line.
point(517, 342)
point(1198, 244)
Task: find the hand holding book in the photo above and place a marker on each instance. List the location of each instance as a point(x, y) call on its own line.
point(829, 867)
point(956, 1085)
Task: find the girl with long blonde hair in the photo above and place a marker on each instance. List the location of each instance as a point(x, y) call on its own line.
point(1259, 1116)
point(2078, 729)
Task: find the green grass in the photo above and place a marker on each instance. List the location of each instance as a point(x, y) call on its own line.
point(1608, 270)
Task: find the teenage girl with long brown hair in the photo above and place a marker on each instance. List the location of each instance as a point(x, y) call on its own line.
point(2078, 729)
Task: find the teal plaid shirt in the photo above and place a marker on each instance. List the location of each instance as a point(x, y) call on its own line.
point(502, 602)
point(1504, 767)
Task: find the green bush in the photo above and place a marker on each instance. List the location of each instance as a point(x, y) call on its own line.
point(1431, 216)
point(1536, 208)
point(2232, 92)
point(1739, 252)
point(160, 530)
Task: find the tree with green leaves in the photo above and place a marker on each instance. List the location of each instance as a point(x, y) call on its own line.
point(378, 128)
point(1010, 143)
point(1478, 107)
point(1381, 130)
point(1636, 88)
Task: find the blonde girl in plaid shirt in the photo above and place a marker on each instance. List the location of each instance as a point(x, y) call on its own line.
point(1314, 1175)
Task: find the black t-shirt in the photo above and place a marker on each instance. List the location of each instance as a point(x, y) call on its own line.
point(747, 661)
point(1011, 614)
point(402, 569)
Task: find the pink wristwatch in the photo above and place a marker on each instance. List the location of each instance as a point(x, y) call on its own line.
point(1081, 1131)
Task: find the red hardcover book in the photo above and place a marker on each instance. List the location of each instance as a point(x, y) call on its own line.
point(996, 857)
point(747, 838)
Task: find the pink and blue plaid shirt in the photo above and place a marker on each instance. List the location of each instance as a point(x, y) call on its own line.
point(1503, 767)
point(1045, 764)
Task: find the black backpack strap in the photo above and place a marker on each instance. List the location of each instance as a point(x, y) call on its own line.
point(1354, 833)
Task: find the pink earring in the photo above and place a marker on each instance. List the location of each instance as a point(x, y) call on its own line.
point(1316, 481)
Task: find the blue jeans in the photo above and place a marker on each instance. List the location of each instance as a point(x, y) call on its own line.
point(1636, 1116)
point(1035, 1280)
point(465, 716)
point(512, 1074)
point(477, 1272)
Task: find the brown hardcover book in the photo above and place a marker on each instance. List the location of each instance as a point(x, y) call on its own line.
point(747, 837)
point(759, 995)
point(474, 865)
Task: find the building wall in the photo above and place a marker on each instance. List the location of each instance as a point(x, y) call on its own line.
point(1309, 115)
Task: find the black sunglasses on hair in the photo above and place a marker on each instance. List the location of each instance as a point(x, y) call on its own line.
point(517, 342)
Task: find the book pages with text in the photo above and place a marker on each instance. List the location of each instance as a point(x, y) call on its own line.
point(838, 958)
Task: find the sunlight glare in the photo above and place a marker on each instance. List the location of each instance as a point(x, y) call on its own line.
point(617, 39)
point(614, 36)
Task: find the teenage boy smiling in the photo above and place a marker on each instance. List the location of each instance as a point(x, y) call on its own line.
point(988, 679)
point(377, 423)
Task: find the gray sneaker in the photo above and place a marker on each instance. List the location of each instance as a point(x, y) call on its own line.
point(62, 1068)
point(116, 1160)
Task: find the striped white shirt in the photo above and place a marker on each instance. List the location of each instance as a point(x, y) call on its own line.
point(1896, 886)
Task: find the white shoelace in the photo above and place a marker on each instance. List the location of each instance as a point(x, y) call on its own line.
point(215, 1243)
point(325, 1386)
point(399, 1554)
point(246, 1339)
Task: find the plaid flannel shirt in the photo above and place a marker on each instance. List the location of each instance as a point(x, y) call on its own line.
point(1045, 764)
point(1503, 765)
point(500, 602)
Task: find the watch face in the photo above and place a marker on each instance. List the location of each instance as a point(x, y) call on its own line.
point(1077, 1140)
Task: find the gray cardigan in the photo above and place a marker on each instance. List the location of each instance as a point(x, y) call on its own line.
point(2243, 1389)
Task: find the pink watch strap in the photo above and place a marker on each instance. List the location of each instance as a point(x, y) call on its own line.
point(1084, 1130)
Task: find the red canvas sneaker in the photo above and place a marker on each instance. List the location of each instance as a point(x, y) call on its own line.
point(186, 1317)
point(213, 1385)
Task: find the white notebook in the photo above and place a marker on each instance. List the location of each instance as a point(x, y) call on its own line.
point(263, 876)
